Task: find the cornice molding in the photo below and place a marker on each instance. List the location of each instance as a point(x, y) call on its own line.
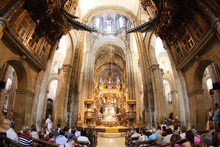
point(195, 92)
point(25, 92)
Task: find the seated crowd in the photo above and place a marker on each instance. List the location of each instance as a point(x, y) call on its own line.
point(170, 136)
point(76, 137)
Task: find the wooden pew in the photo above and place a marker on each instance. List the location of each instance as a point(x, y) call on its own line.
point(42, 143)
point(148, 142)
point(8, 142)
point(13, 143)
point(83, 143)
point(123, 130)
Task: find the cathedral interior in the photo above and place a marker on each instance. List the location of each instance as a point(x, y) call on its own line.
point(101, 63)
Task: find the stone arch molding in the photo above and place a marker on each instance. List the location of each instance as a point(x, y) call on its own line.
point(199, 68)
point(22, 70)
point(103, 9)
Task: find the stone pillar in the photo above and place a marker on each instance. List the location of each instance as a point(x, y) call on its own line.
point(42, 98)
point(176, 109)
point(159, 96)
point(198, 113)
point(23, 107)
point(62, 95)
point(2, 94)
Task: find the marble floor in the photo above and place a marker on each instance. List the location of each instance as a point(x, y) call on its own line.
point(111, 142)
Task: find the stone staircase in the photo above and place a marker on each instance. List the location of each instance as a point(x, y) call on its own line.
point(5, 125)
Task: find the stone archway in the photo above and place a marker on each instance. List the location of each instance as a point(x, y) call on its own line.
point(197, 100)
point(24, 93)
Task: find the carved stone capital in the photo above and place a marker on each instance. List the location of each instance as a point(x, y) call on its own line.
point(66, 68)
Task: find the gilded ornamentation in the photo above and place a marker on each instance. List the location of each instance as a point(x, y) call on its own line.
point(71, 3)
point(52, 19)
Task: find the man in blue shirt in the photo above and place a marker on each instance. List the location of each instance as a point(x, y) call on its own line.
point(217, 118)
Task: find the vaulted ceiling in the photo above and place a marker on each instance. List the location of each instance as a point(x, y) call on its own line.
point(87, 5)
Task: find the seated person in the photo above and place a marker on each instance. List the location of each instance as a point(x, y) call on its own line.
point(69, 143)
point(206, 140)
point(25, 138)
point(11, 133)
point(153, 136)
point(158, 131)
point(189, 138)
point(83, 137)
point(61, 139)
point(159, 139)
point(34, 132)
point(216, 139)
point(176, 130)
point(71, 133)
point(143, 136)
point(169, 134)
point(52, 137)
point(164, 129)
point(174, 138)
point(183, 132)
point(136, 134)
point(197, 138)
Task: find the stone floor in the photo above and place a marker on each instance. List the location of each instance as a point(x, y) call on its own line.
point(111, 141)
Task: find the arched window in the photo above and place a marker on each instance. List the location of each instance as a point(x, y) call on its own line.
point(109, 25)
point(97, 22)
point(167, 90)
point(121, 22)
point(52, 89)
point(209, 84)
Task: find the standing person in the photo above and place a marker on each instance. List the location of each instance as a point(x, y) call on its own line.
point(49, 122)
point(210, 115)
point(217, 117)
point(5, 109)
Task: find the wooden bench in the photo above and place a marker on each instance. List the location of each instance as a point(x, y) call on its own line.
point(42, 143)
point(83, 143)
point(152, 143)
point(123, 130)
point(5, 141)
point(145, 143)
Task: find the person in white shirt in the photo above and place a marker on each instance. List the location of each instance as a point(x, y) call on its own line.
point(61, 139)
point(136, 134)
point(169, 134)
point(78, 132)
point(70, 143)
point(34, 133)
point(183, 132)
point(143, 137)
point(11, 133)
point(49, 122)
point(83, 138)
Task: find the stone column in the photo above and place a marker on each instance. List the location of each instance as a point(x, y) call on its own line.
point(42, 98)
point(23, 107)
point(198, 111)
point(62, 95)
point(176, 109)
point(158, 91)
